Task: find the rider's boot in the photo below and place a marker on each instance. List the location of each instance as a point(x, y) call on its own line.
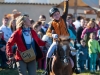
point(48, 65)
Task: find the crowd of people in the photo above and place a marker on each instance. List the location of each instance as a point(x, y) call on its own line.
point(21, 32)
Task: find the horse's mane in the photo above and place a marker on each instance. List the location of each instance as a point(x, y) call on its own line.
point(63, 40)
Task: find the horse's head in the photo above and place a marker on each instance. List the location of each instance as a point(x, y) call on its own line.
point(63, 49)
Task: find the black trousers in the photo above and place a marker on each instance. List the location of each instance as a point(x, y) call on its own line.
point(75, 62)
point(3, 59)
point(48, 64)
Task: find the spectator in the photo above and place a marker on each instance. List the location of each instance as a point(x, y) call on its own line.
point(83, 55)
point(44, 27)
point(94, 48)
point(89, 29)
point(73, 54)
point(24, 37)
point(6, 30)
point(98, 57)
point(32, 22)
point(70, 24)
point(2, 51)
point(80, 29)
point(77, 23)
point(37, 27)
point(12, 25)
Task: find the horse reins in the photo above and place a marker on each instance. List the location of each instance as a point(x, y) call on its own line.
point(65, 57)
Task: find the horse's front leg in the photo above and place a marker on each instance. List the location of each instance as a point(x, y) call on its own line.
point(56, 70)
point(55, 73)
point(68, 69)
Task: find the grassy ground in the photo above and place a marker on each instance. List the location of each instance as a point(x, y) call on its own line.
point(8, 72)
point(14, 72)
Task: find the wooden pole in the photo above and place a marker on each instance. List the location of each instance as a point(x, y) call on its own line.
point(75, 8)
point(99, 3)
point(97, 12)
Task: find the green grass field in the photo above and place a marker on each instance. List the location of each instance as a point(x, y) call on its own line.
point(14, 72)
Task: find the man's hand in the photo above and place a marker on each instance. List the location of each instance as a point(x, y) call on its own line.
point(11, 58)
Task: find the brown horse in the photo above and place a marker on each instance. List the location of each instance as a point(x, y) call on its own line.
point(61, 64)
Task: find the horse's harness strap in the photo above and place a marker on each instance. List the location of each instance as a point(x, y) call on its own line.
point(64, 57)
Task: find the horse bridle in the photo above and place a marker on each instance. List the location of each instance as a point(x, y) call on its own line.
point(65, 58)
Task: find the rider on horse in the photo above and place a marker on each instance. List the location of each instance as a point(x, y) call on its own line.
point(58, 23)
point(51, 52)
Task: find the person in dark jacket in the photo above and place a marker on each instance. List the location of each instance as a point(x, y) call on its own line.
point(79, 31)
point(2, 51)
point(83, 55)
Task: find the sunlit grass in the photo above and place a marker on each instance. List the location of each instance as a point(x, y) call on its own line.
point(15, 72)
